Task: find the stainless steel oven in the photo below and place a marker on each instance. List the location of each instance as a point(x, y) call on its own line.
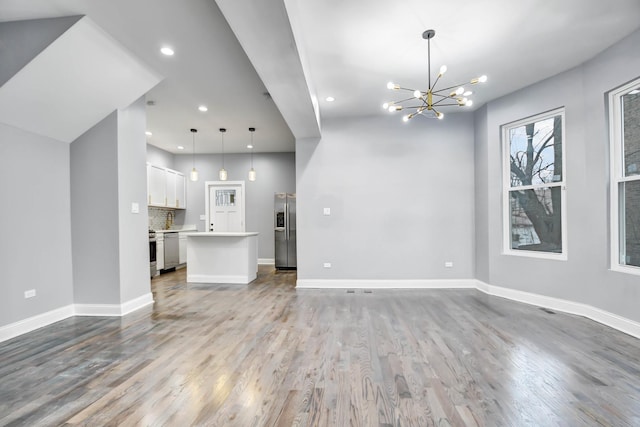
point(152, 254)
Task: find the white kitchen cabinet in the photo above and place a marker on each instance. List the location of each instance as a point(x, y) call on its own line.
point(159, 251)
point(171, 188)
point(182, 242)
point(166, 187)
point(181, 191)
point(156, 185)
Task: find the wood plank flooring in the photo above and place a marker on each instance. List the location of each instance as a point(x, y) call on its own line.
point(270, 355)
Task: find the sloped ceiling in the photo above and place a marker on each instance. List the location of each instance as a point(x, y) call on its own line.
point(73, 83)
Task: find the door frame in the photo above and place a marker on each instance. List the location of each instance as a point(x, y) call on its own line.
point(214, 184)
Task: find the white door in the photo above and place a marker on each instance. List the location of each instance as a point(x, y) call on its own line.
point(225, 203)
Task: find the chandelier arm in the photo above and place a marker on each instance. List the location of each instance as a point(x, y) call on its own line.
point(450, 87)
point(448, 105)
point(407, 89)
point(407, 99)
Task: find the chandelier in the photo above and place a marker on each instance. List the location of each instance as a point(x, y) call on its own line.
point(427, 101)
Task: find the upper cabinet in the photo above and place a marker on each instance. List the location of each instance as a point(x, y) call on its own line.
point(165, 187)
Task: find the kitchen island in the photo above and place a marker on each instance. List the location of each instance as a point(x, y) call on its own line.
point(222, 257)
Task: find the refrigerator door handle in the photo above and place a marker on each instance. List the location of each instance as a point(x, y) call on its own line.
point(286, 221)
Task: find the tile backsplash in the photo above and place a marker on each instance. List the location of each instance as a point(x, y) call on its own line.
point(158, 218)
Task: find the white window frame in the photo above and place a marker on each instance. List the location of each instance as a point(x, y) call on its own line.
point(506, 189)
point(617, 176)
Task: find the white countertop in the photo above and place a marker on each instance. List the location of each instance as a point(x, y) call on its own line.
point(179, 230)
point(222, 234)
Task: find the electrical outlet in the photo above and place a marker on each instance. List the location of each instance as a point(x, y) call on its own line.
point(326, 211)
point(448, 264)
point(135, 208)
point(327, 265)
point(30, 293)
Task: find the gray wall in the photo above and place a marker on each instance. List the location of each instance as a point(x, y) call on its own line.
point(110, 243)
point(94, 214)
point(275, 173)
point(585, 277)
point(132, 188)
point(159, 157)
point(400, 194)
point(35, 249)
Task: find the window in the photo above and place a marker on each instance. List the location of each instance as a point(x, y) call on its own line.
point(534, 192)
point(624, 116)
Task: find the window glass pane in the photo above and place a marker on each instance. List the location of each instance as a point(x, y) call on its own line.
point(536, 152)
point(630, 214)
point(631, 123)
point(225, 197)
point(536, 219)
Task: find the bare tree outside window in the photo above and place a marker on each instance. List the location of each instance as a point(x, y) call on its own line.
point(535, 184)
point(630, 188)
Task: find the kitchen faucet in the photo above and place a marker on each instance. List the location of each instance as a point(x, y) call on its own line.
point(169, 221)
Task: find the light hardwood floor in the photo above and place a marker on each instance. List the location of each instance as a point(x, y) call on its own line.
point(270, 355)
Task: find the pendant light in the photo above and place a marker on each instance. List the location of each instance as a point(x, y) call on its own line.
point(252, 171)
point(194, 172)
point(222, 175)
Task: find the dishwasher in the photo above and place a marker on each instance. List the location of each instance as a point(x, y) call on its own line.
point(171, 250)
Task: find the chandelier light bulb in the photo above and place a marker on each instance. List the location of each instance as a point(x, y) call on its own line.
point(405, 118)
point(467, 93)
point(439, 115)
point(469, 103)
point(443, 70)
point(385, 106)
point(417, 94)
point(460, 91)
point(390, 85)
point(482, 79)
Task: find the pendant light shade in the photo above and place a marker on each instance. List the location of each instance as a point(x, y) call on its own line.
point(222, 174)
point(194, 173)
point(252, 171)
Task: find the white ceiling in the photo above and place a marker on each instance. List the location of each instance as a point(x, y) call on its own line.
point(346, 49)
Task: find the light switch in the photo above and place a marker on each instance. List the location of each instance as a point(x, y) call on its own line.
point(327, 211)
point(327, 265)
point(448, 264)
point(135, 208)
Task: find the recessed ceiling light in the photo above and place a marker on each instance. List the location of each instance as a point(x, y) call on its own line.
point(249, 146)
point(329, 99)
point(180, 147)
point(148, 133)
point(166, 50)
point(203, 108)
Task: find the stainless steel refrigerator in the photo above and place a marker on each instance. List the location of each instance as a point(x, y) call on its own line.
point(285, 231)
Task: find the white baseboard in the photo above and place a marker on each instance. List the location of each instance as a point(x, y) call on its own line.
point(35, 322)
point(614, 321)
point(266, 261)
point(136, 303)
point(210, 278)
point(386, 284)
point(114, 310)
